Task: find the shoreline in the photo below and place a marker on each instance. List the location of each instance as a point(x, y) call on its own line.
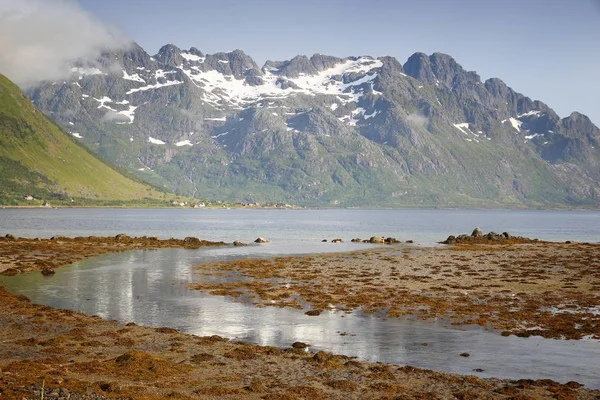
point(77, 353)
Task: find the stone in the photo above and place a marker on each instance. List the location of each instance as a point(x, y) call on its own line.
point(477, 232)
point(313, 313)
point(465, 355)
point(324, 241)
point(506, 235)
point(409, 241)
point(356, 240)
point(261, 240)
point(48, 272)
point(377, 239)
point(122, 236)
point(299, 345)
point(238, 243)
point(336, 240)
point(391, 240)
point(191, 239)
point(450, 240)
point(321, 356)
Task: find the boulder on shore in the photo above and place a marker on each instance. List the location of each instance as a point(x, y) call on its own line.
point(477, 232)
point(377, 239)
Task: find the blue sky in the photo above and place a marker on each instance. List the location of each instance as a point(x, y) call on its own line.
point(546, 49)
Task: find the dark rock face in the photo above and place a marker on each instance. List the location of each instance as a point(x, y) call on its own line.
point(419, 67)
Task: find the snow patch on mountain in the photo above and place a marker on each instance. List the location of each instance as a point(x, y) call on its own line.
point(103, 102)
point(155, 86)
point(463, 127)
point(129, 113)
point(192, 57)
point(514, 122)
point(219, 87)
point(530, 113)
point(134, 77)
point(155, 141)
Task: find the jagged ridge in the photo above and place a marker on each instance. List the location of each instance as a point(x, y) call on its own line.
point(324, 130)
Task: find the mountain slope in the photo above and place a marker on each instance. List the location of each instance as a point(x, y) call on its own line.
point(357, 131)
point(38, 159)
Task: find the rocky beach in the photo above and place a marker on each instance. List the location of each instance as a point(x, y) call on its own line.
point(510, 285)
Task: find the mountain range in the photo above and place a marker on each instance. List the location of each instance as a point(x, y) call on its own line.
point(325, 131)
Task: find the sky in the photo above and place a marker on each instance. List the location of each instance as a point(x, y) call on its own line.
point(548, 50)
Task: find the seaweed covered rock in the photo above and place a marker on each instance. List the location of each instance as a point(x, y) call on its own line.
point(478, 237)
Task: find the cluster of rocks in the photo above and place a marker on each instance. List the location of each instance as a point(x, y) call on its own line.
point(477, 236)
point(373, 239)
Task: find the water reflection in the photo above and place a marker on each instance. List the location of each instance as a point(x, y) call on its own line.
point(150, 288)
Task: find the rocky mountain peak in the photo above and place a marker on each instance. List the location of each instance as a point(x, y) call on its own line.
point(438, 68)
point(577, 123)
point(322, 62)
point(419, 67)
point(293, 68)
point(169, 54)
point(449, 72)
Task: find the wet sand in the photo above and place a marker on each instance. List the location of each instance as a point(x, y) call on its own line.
point(82, 356)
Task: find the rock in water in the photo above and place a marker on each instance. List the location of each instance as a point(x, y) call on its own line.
point(377, 239)
point(261, 240)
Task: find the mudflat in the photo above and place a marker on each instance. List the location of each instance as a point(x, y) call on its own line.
point(72, 355)
point(531, 288)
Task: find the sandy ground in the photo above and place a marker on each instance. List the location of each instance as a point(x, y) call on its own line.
point(72, 355)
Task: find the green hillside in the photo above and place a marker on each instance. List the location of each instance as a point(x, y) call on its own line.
point(40, 160)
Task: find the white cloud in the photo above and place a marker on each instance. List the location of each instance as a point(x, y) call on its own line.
point(417, 119)
point(41, 39)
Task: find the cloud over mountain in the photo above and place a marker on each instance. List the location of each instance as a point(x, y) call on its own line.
point(41, 39)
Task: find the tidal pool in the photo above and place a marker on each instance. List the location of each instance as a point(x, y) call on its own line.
point(151, 288)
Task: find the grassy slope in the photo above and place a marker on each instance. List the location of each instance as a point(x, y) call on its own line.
point(36, 155)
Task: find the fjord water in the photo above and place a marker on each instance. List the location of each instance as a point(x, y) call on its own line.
point(301, 227)
point(150, 287)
